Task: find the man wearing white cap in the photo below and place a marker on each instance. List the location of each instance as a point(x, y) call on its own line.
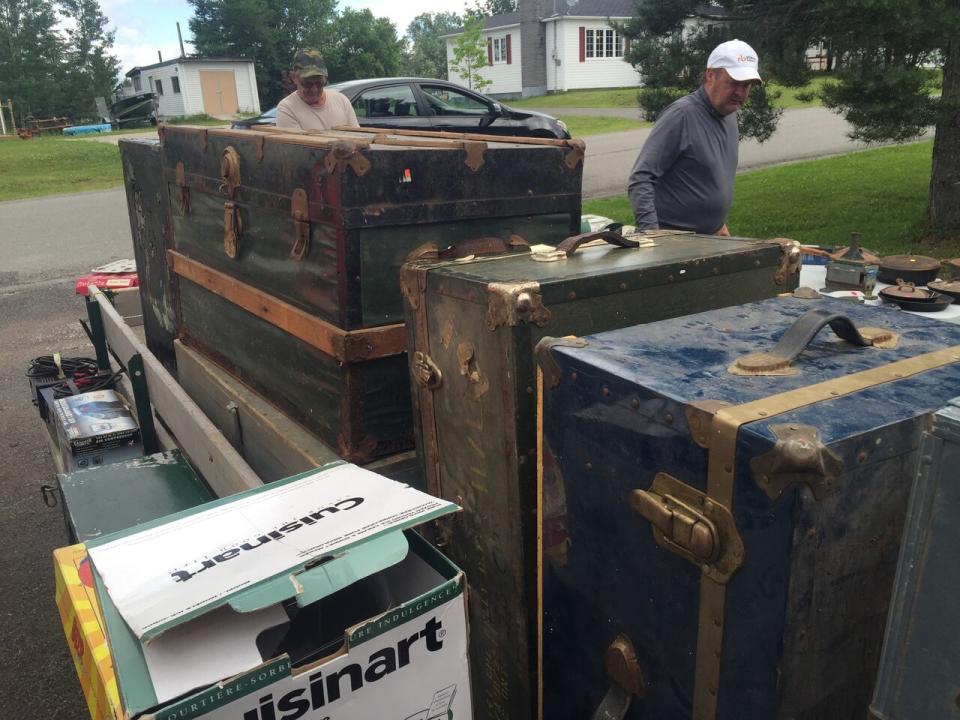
point(683, 177)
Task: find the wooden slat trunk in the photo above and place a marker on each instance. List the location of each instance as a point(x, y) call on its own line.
point(275, 230)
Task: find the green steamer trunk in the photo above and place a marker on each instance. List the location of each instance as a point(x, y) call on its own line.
point(149, 210)
point(288, 248)
point(472, 328)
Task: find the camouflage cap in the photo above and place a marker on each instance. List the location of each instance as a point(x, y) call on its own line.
point(309, 63)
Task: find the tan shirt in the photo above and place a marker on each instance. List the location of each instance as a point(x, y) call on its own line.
point(294, 113)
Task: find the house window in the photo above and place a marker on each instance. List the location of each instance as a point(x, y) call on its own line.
point(604, 44)
point(499, 50)
point(159, 86)
point(136, 83)
point(175, 81)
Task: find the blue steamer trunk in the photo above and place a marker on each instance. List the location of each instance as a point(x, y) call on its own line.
point(818, 497)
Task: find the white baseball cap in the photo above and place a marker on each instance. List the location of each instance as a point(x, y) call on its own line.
point(737, 58)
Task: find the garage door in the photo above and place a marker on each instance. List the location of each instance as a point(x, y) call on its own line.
point(219, 88)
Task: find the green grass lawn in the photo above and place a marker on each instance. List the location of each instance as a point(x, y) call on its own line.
point(50, 165)
point(582, 125)
point(880, 193)
point(627, 97)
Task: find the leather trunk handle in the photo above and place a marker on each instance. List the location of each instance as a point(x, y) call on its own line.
point(570, 245)
point(799, 335)
point(484, 246)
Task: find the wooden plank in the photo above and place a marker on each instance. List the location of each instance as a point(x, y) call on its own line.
point(272, 443)
point(345, 345)
point(510, 139)
point(212, 456)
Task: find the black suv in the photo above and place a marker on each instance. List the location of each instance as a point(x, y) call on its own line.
point(420, 104)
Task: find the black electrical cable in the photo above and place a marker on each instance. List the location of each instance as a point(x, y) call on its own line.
point(83, 372)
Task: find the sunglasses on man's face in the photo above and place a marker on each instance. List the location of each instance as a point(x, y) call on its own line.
point(313, 82)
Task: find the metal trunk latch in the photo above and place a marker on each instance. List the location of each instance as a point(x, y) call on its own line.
point(425, 371)
point(626, 680)
point(300, 212)
point(688, 523)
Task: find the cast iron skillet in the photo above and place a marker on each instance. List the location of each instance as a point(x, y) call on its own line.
point(925, 301)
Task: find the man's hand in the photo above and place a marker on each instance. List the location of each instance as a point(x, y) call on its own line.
point(724, 231)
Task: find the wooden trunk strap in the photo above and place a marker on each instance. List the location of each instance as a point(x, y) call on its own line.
point(347, 346)
point(720, 483)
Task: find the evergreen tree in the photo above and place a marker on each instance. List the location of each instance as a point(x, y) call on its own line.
point(30, 58)
point(90, 70)
point(427, 56)
point(887, 54)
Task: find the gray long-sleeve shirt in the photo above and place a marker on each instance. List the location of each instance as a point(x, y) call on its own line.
point(683, 177)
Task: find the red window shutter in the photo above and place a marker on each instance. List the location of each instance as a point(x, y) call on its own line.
point(489, 51)
point(583, 44)
point(509, 52)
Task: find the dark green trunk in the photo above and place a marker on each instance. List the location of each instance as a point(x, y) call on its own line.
point(473, 327)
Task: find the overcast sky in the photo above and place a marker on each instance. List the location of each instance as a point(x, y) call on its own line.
point(146, 26)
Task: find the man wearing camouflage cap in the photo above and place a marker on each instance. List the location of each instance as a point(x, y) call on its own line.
point(312, 107)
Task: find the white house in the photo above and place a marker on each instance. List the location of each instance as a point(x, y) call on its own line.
point(191, 86)
point(579, 48)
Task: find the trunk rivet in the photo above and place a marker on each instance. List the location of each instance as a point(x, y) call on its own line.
point(862, 456)
point(571, 296)
point(762, 413)
point(589, 466)
point(669, 418)
point(635, 404)
point(573, 376)
point(605, 391)
point(623, 286)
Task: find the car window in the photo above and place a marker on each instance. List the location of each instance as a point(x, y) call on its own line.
point(447, 101)
point(396, 101)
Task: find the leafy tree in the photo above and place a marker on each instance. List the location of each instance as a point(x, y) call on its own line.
point(886, 50)
point(491, 7)
point(91, 70)
point(361, 46)
point(470, 55)
point(427, 56)
point(30, 57)
point(267, 31)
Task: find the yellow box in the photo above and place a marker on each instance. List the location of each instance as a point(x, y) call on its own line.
point(84, 628)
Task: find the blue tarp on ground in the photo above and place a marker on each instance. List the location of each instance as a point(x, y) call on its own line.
point(86, 129)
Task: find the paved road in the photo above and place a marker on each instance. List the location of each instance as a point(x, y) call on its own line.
point(803, 134)
point(44, 244)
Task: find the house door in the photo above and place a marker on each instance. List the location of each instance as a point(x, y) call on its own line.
point(219, 88)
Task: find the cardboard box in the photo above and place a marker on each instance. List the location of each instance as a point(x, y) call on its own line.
point(307, 598)
point(84, 629)
point(95, 428)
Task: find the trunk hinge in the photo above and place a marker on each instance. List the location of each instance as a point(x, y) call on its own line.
point(790, 260)
point(300, 212)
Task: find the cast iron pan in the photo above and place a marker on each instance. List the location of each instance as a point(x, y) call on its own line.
point(917, 269)
point(946, 287)
point(926, 301)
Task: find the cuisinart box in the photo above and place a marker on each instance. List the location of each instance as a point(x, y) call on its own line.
point(95, 428)
point(308, 598)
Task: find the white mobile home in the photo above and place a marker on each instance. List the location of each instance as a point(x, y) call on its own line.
point(220, 87)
